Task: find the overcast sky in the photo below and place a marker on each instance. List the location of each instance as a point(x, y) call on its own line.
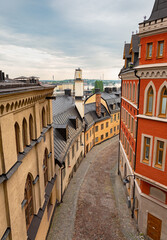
point(53, 37)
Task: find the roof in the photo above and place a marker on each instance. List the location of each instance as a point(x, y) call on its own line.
point(91, 116)
point(135, 43)
point(63, 109)
point(127, 48)
point(159, 10)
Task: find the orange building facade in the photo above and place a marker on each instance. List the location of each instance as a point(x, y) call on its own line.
point(147, 173)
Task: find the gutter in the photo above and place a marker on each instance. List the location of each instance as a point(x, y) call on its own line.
point(133, 206)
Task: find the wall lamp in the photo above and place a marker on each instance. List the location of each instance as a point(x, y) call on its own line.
point(126, 180)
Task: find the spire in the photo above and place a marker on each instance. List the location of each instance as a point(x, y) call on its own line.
point(159, 10)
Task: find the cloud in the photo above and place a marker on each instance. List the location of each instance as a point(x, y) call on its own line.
point(53, 37)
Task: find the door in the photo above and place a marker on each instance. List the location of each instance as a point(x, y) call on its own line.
point(153, 227)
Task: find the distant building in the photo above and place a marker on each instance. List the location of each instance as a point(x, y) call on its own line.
point(102, 117)
point(145, 172)
point(27, 169)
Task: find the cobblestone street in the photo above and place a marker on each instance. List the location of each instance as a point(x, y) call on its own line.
point(94, 205)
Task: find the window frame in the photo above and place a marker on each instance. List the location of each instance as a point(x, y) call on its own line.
point(148, 48)
point(142, 160)
point(155, 165)
point(158, 49)
point(161, 97)
point(148, 98)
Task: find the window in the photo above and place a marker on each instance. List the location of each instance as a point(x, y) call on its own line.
point(118, 116)
point(118, 127)
point(87, 136)
point(111, 119)
point(129, 120)
point(130, 96)
point(17, 136)
point(130, 156)
point(127, 90)
point(96, 128)
point(77, 145)
point(146, 149)
point(114, 129)
point(133, 96)
point(127, 148)
point(73, 151)
point(96, 139)
point(45, 167)
point(92, 130)
point(150, 101)
point(31, 127)
point(114, 117)
point(159, 154)
point(29, 201)
point(163, 102)
point(111, 130)
point(68, 159)
point(149, 50)
point(81, 139)
point(107, 134)
point(102, 137)
point(160, 49)
point(43, 118)
point(102, 126)
point(132, 122)
point(106, 124)
point(24, 132)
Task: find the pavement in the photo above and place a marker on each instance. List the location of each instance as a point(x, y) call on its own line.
point(94, 205)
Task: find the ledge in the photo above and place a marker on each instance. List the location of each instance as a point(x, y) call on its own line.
point(152, 118)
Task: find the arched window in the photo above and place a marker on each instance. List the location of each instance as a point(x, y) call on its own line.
point(127, 90)
point(150, 95)
point(17, 136)
point(29, 211)
point(163, 102)
point(31, 127)
point(137, 93)
point(43, 118)
point(45, 167)
point(130, 96)
point(133, 97)
point(24, 132)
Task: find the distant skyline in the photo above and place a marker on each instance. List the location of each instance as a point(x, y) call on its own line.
point(49, 38)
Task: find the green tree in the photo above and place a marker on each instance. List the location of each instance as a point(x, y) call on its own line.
point(98, 84)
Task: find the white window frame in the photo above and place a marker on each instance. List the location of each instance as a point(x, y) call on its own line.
point(142, 149)
point(156, 139)
point(150, 84)
point(164, 84)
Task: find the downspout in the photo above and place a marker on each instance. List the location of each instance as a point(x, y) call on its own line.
point(119, 129)
point(133, 207)
point(62, 183)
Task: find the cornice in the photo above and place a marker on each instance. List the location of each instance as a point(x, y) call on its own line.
point(129, 75)
point(152, 71)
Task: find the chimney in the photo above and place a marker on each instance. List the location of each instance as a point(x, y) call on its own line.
point(2, 77)
point(7, 76)
point(67, 92)
point(79, 91)
point(98, 102)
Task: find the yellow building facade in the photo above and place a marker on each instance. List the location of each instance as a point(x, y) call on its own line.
point(27, 168)
point(106, 125)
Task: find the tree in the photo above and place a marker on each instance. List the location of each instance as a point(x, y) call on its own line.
point(98, 84)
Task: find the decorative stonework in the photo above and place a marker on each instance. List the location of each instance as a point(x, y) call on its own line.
point(155, 26)
point(152, 73)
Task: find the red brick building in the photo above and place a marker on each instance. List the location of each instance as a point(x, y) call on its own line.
point(147, 183)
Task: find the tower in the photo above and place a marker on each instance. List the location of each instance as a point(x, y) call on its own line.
point(79, 91)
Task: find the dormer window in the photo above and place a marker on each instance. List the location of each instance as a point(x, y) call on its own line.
point(63, 130)
point(149, 50)
point(160, 49)
point(75, 122)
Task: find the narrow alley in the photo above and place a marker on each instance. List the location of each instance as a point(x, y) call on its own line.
point(94, 206)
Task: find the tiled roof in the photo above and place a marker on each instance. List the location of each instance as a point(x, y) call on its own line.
point(159, 10)
point(63, 109)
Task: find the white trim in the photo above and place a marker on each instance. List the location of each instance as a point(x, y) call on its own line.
point(152, 118)
point(132, 104)
point(152, 182)
point(150, 84)
point(164, 84)
point(155, 153)
point(127, 160)
point(142, 148)
point(156, 65)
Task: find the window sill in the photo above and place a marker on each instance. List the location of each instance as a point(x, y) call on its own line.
point(149, 114)
point(145, 161)
point(158, 166)
point(162, 115)
point(159, 57)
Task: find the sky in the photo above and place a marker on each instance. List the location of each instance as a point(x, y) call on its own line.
point(47, 38)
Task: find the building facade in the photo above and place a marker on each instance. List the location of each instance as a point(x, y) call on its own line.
point(27, 169)
point(148, 177)
point(102, 117)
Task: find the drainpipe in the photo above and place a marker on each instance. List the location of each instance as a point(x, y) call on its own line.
point(62, 183)
point(133, 207)
point(119, 129)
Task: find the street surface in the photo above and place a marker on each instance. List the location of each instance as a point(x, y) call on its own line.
point(94, 205)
